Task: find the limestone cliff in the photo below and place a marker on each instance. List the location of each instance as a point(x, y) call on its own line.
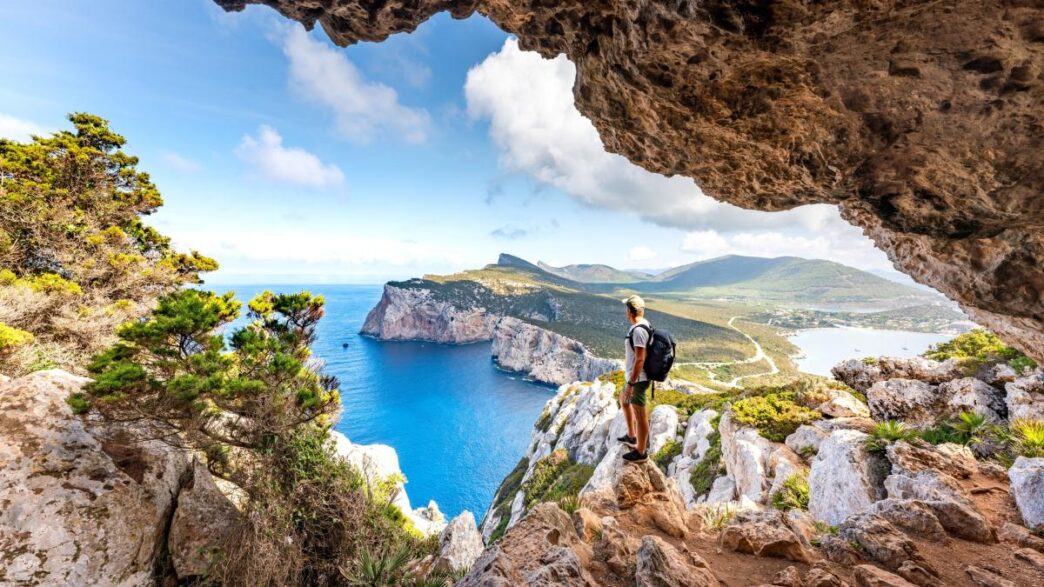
point(920, 120)
point(408, 313)
point(545, 356)
point(405, 313)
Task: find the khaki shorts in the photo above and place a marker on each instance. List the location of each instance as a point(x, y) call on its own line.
point(638, 391)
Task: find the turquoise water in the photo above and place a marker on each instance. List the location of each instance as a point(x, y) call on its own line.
point(822, 348)
point(458, 423)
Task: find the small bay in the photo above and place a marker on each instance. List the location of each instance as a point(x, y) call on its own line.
point(822, 348)
point(458, 423)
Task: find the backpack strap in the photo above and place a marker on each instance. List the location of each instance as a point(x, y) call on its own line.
point(630, 333)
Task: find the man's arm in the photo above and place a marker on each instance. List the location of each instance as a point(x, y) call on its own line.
point(639, 364)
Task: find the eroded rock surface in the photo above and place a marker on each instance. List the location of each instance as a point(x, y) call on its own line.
point(921, 121)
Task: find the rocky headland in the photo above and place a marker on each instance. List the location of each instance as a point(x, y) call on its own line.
point(416, 313)
point(731, 496)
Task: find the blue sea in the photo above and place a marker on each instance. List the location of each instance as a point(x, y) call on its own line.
point(458, 423)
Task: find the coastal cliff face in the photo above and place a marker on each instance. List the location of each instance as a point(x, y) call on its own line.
point(405, 313)
point(920, 120)
point(415, 314)
point(545, 356)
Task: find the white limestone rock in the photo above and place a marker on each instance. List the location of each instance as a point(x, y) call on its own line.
point(845, 478)
point(784, 462)
point(377, 463)
point(1025, 398)
point(202, 519)
point(843, 405)
point(585, 428)
point(1027, 486)
point(806, 439)
point(663, 427)
point(78, 506)
point(460, 544)
point(969, 394)
point(697, 434)
point(861, 375)
point(722, 491)
point(746, 458)
point(914, 402)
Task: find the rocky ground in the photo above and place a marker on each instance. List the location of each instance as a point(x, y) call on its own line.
point(898, 512)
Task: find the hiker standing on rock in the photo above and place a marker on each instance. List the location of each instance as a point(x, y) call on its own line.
point(633, 398)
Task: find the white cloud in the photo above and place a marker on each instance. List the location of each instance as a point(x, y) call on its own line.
point(528, 101)
point(836, 240)
point(18, 129)
point(641, 253)
point(180, 163)
point(362, 109)
point(268, 157)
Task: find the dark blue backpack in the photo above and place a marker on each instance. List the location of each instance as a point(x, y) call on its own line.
point(659, 352)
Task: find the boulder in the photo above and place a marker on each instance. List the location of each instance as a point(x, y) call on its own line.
point(914, 402)
point(950, 503)
point(845, 477)
point(1019, 535)
point(697, 434)
point(969, 394)
point(806, 439)
point(663, 427)
point(79, 505)
point(919, 575)
point(861, 374)
point(999, 374)
point(1025, 397)
point(765, 534)
point(1027, 486)
point(908, 457)
point(745, 453)
point(723, 490)
point(880, 541)
point(913, 516)
point(542, 550)
point(871, 576)
point(616, 549)
point(819, 576)
point(788, 577)
point(784, 462)
point(844, 405)
point(986, 577)
point(839, 550)
point(587, 524)
point(460, 545)
point(202, 520)
point(661, 565)
point(1033, 557)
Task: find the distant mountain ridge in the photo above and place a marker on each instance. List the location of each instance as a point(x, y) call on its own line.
point(778, 280)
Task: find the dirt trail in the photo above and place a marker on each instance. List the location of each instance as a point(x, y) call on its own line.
point(759, 355)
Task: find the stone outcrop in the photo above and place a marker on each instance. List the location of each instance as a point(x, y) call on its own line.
point(660, 565)
point(1025, 397)
point(845, 478)
point(406, 313)
point(695, 445)
point(862, 374)
point(1027, 486)
point(764, 534)
point(914, 402)
point(746, 454)
point(203, 518)
point(929, 142)
point(80, 505)
point(544, 355)
point(416, 313)
point(379, 462)
point(460, 544)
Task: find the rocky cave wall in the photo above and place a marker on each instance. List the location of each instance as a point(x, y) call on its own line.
point(921, 120)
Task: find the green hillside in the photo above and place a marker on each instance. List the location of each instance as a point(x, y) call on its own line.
point(594, 273)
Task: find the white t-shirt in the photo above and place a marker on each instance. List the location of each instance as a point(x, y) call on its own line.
point(640, 336)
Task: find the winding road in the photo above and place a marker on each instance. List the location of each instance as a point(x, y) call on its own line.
point(759, 355)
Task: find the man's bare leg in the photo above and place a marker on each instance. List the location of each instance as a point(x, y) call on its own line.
point(628, 411)
point(642, 427)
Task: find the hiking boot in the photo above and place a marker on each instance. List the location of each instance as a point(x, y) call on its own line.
point(636, 457)
point(628, 440)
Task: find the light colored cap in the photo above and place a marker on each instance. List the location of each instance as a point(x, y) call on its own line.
point(634, 302)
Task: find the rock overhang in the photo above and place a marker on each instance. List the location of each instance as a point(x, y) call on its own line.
point(923, 122)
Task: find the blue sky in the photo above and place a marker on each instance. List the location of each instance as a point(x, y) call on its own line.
point(289, 159)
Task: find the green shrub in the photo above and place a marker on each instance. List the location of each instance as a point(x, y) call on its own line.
point(774, 415)
point(555, 477)
point(666, 454)
point(979, 347)
point(793, 495)
point(887, 432)
point(1028, 437)
point(11, 338)
point(501, 528)
point(543, 423)
point(710, 467)
point(970, 426)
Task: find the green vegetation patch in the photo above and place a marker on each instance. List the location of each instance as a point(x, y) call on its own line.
point(793, 495)
point(975, 349)
point(666, 454)
point(554, 478)
point(710, 467)
point(774, 415)
point(506, 494)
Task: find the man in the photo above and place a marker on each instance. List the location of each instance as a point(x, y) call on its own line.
point(632, 400)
